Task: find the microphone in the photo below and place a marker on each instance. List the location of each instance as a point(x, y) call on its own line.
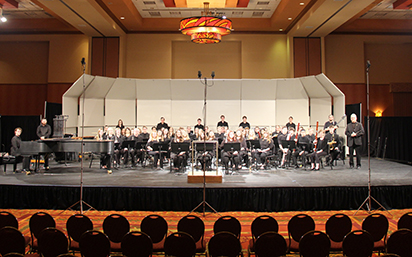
point(199, 74)
point(368, 64)
point(83, 62)
point(213, 74)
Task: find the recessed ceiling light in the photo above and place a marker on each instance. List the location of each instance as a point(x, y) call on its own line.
point(280, 29)
point(289, 18)
point(122, 18)
point(302, 3)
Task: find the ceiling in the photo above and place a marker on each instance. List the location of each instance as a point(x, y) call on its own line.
point(299, 18)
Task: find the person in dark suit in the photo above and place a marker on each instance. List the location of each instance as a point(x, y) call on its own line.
point(43, 132)
point(354, 132)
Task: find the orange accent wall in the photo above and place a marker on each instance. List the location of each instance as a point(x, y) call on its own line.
point(105, 57)
point(379, 96)
point(23, 99)
point(307, 56)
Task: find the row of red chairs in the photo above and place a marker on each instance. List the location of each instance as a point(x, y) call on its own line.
point(116, 226)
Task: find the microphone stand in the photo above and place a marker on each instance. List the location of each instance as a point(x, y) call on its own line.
point(369, 198)
point(204, 203)
point(81, 202)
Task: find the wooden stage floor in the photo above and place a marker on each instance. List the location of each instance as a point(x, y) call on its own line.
point(383, 173)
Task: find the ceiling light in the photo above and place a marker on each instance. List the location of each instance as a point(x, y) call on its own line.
point(302, 3)
point(2, 18)
point(280, 29)
point(206, 29)
point(122, 18)
point(290, 19)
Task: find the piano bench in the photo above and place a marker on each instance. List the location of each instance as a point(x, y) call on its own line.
point(9, 159)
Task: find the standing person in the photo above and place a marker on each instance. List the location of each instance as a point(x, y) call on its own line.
point(222, 122)
point(290, 123)
point(331, 122)
point(162, 124)
point(43, 132)
point(199, 124)
point(15, 151)
point(244, 124)
point(354, 132)
point(120, 124)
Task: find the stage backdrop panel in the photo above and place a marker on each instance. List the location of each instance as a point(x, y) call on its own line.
point(259, 102)
point(93, 116)
point(150, 111)
point(185, 113)
point(259, 113)
point(265, 102)
point(121, 103)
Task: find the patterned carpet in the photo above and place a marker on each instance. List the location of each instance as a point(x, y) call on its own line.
point(172, 218)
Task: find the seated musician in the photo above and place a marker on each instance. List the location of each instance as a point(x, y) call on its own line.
point(243, 157)
point(180, 158)
point(232, 156)
point(266, 146)
point(15, 151)
point(125, 152)
point(105, 159)
point(334, 144)
point(302, 149)
point(144, 136)
point(135, 154)
point(205, 157)
point(100, 134)
point(118, 140)
point(171, 134)
point(154, 138)
point(287, 135)
point(320, 150)
point(258, 135)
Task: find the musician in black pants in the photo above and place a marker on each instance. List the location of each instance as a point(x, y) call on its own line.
point(354, 132)
point(334, 144)
point(320, 150)
point(15, 151)
point(43, 132)
point(302, 149)
point(230, 156)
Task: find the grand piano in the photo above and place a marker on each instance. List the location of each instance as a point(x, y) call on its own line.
point(61, 145)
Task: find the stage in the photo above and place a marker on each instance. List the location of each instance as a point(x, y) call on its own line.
point(247, 190)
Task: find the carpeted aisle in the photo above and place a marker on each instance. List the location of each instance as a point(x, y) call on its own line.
point(172, 218)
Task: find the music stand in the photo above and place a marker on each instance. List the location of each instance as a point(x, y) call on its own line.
point(161, 147)
point(176, 148)
point(141, 146)
point(253, 144)
point(204, 146)
point(231, 147)
point(129, 144)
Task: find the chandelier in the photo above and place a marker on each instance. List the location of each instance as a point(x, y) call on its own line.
point(206, 29)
